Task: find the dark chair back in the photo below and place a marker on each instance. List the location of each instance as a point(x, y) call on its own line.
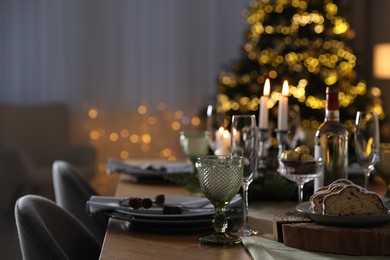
point(46, 231)
point(71, 193)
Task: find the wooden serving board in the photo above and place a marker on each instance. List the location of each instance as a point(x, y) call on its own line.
point(311, 236)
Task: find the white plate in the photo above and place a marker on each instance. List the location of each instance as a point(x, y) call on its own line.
point(149, 168)
point(347, 221)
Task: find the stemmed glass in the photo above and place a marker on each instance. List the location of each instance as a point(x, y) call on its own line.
point(220, 179)
point(245, 143)
point(289, 138)
point(194, 144)
point(300, 172)
point(294, 126)
point(367, 144)
point(215, 126)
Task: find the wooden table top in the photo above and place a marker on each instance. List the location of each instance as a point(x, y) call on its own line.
point(122, 243)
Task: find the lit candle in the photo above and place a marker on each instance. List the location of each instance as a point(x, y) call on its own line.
point(222, 142)
point(283, 108)
point(263, 113)
point(226, 143)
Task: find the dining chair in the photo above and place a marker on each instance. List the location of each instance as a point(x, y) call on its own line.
point(71, 192)
point(47, 231)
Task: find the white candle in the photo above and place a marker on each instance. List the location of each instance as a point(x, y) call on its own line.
point(263, 113)
point(283, 108)
point(222, 138)
point(226, 143)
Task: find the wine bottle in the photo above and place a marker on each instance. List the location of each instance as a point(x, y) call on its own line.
point(331, 142)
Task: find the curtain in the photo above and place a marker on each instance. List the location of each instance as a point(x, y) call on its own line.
point(116, 56)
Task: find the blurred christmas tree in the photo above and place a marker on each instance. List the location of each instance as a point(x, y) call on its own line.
point(306, 42)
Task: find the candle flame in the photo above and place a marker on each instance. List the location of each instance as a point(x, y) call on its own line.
point(267, 88)
point(285, 88)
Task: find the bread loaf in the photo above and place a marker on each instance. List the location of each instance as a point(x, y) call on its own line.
point(317, 198)
point(353, 200)
point(343, 198)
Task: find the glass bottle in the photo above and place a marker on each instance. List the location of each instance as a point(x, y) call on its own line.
point(331, 142)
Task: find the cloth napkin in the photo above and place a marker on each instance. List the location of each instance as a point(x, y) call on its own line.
point(263, 248)
point(193, 204)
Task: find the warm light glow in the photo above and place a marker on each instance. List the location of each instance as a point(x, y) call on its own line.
point(94, 135)
point(124, 133)
point(92, 113)
point(142, 110)
point(285, 89)
point(382, 61)
point(134, 138)
point(124, 155)
point(114, 137)
point(165, 153)
point(146, 138)
point(176, 125)
point(267, 88)
point(226, 134)
point(195, 121)
point(220, 130)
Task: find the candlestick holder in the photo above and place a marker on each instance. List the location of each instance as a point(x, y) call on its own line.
point(282, 137)
point(263, 148)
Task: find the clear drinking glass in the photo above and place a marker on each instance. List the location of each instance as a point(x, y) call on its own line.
point(294, 126)
point(245, 143)
point(367, 144)
point(220, 179)
point(215, 126)
point(300, 172)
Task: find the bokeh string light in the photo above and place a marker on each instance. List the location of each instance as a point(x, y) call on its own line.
point(140, 134)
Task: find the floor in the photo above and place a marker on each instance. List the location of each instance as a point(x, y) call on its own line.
point(9, 243)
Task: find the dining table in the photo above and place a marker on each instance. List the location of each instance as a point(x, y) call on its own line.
point(123, 242)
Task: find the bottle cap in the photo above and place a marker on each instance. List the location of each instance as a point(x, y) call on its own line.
point(332, 98)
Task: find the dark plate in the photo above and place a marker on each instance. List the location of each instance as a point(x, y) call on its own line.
point(172, 225)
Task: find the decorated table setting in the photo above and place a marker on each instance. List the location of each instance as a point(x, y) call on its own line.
point(200, 206)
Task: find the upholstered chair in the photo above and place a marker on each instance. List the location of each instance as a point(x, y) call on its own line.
point(46, 231)
point(71, 192)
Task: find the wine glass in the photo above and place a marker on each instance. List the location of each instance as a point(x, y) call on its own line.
point(220, 179)
point(367, 144)
point(215, 127)
point(294, 126)
point(194, 144)
point(245, 143)
point(300, 172)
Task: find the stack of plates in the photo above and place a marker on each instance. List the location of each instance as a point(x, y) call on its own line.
point(197, 213)
point(149, 168)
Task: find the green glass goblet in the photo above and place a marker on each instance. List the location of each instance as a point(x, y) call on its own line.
point(220, 178)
